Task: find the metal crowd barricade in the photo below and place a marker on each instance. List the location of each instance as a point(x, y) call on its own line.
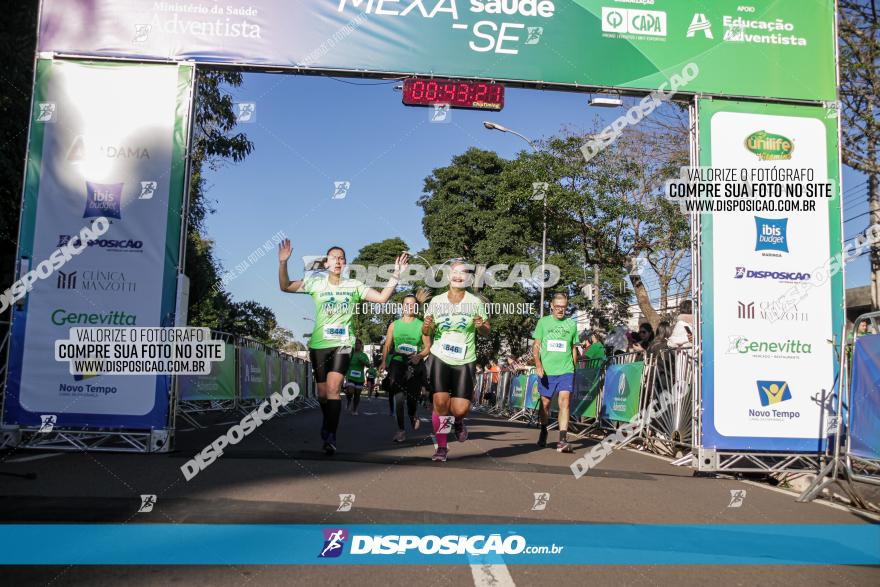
point(668, 424)
point(612, 424)
point(587, 398)
point(191, 405)
point(502, 390)
point(527, 401)
point(844, 463)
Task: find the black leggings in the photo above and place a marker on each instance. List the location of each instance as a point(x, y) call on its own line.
point(456, 380)
point(405, 385)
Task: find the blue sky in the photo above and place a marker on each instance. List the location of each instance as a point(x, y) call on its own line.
point(312, 131)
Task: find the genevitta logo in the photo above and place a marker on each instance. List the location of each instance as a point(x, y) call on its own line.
point(769, 349)
point(62, 317)
point(771, 234)
point(103, 199)
point(111, 245)
point(781, 276)
point(334, 542)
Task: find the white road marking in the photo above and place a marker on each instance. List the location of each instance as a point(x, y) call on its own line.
point(486, 575)
point(34, 457)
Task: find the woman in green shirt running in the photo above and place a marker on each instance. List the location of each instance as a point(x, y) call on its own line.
point(452, 321)
point(332, 338)
point(404, 349)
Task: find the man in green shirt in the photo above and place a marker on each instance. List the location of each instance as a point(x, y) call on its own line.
point(555, 351)
point(595, 349)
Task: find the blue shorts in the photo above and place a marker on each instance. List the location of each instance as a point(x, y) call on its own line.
point(549, 385)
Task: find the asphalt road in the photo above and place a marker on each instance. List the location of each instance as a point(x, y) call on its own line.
point(279, 475)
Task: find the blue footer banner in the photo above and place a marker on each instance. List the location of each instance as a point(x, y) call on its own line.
point(557, 544)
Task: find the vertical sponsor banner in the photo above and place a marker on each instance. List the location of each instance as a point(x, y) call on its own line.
point(105, 140)
point(864, 411)
point(772, 289)
point(517, 392)
point(252, 373)
point(621, 392)
point(531, 392)
point(217, 385)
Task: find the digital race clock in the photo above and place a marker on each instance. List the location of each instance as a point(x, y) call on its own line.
point(473, 95)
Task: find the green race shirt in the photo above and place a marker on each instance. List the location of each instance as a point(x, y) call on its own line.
point(557, 338)
point(595, 351)
point(407, 337)
point(334, 310)
point(455, 340)
point(359, 362)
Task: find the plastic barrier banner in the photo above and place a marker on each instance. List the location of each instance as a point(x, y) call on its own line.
point(106, 141)
point(587, 383)
point(765, 48)
point(218, 385)
point(518, 392)
point(622, 390)
point(252, 373)
point(772, 294)
point(273, 373)
point(864, 413)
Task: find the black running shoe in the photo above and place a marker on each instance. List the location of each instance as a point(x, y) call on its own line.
point(542, 437)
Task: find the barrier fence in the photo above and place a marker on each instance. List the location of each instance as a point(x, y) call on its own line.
point(249, 373)
point(654, 391)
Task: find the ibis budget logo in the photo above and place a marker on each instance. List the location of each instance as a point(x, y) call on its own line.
point(771, 234)
point(773, 392)
point(769, 147)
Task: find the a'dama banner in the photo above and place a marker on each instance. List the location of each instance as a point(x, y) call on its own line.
point(586, 399)
point(761, 48)
point(864, 411)
point(770, 300)
point(252, 373)
point(622, 391)
point(218, 385)
point(105, 140)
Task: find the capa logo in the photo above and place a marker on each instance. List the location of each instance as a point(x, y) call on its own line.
point(769, 147)
point(771, 234)
point(773, 392)
point(334, 542)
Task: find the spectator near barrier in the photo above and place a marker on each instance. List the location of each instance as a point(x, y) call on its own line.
point(682, 336)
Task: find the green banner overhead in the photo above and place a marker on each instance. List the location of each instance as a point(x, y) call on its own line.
point(763, 48)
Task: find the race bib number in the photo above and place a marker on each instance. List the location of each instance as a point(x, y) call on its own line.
point(406, 349)
point(355, 373)
point(452, 345)
point(336, 332)
point(557, 346)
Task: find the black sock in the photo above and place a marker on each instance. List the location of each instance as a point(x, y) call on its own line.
point(334, 408)
point(398, 409)
point(322, 401)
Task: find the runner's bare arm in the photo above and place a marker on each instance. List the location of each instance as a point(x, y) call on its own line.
point(284, 282)
point(536, 352)
point(482, 326)
point(389, 338)
point(426, 344)
point(371, 295)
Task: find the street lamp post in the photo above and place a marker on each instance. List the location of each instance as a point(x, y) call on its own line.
point(498, 127)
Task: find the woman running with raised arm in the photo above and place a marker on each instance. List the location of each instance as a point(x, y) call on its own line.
point(404, 349)
point(332, 338)
point(452, 321)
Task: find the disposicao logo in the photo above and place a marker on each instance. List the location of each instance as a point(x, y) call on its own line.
point(769, 147)
point(773, 392)
point(334, 542)
point(771, 234)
